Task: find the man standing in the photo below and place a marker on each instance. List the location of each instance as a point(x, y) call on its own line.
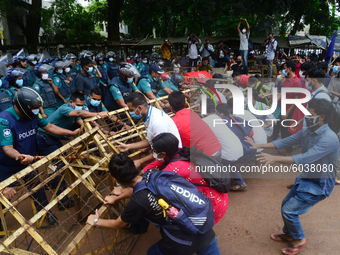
point(193, 42)
point(155, 121)
point(18, 137)
point(244, 36)
point(270, 55)
point(207, 50)
point(320, 148)
point(166, 51)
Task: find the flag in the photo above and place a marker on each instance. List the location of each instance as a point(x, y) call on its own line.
point(329, 52)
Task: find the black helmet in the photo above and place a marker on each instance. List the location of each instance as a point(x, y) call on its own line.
point(177, 79)
point(99, 57)
point(25, 100)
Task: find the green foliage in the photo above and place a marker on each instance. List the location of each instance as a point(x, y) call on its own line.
point(71, 22)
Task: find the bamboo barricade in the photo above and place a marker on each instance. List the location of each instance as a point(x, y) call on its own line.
point(79, 171)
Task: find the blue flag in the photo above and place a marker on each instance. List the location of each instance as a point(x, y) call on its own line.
point(329, 52)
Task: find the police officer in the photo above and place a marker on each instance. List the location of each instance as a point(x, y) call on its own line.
point(120, 88)
point(84, 80)
point(5, 99)
point(45, 86)
point(77, 66)
point(104, 80)
point(32, 61)
point(112, 66)
point(150, 84)
point(14, 78)
point(3, 73)
point(65, 85)
point(174, 84)
point(144, 67)
point(18, 136)
point(72, 72)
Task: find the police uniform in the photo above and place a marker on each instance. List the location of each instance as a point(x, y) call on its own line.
point(33, 76)
point(50, 101)
point(103, 80)
point(77, 68)
point(4, 83)
point(27, 78)
point(85, 83)
point(167, 84)
point(143, 68)
point(6, 97)
point(112, 69)
point(65, 88)
point(117, 90)
point(148, 84)
point(22, 135)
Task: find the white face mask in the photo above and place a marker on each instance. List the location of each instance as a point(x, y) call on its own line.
point(243, 30)
point(301, 74)
point(44, 76)
point(67, 69)
point(155, 155)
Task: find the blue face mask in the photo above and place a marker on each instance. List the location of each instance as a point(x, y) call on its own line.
point(279, 63)
point(95, 103)
point(0, 83)
point(145, 61)
point(130, 80)
point(35, 111)
point(155, 79)
point(19, 82)
point(284, 73)
point(308, 87)
point(90, 70)
point(335, 69)
point(111, 59)
point(34, 62)
point(134, 115)
point(78, 108)
point(60, 71)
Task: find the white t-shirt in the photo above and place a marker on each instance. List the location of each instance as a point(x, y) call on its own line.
point(193, 49)
point(232, 148)
point(259, 136)
point(158, 122)
point(244, 41)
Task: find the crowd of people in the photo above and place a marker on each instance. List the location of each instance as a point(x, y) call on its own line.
point(45, 98)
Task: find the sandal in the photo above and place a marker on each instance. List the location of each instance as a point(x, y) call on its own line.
point(293, 246)
point(282, 237)
point(241, 186)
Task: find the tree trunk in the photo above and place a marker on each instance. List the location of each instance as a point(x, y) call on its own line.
point(114, 7)
point(33, 20)
point(296, 24)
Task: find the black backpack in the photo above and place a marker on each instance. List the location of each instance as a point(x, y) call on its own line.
point(210, 169)
point(250, 44)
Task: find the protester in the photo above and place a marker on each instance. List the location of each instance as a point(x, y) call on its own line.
point(222, 54)
point(320, 147)
point(270, 55)
point(244, 36)
point(238, 67)
point(204, 66)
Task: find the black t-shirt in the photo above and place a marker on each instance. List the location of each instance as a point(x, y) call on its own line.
point(144, 205)
point(240, 69)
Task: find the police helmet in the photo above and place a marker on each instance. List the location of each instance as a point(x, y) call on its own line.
point(99, 57)
point(6, 59)
point(177, 79)
point(32, 57)
point(110, 54)
point(13, 74)
point(42, 68)
point(44, 58)
point(132, 68)
point(70, 56)
point(25, 100)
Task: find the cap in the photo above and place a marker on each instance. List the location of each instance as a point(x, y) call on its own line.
point(156, 68)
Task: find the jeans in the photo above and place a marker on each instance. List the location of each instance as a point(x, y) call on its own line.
point(244, 55)
point(211, 249)
point(293, 205)
point(236, 175)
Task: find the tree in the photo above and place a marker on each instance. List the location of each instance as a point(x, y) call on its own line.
point(26, 16)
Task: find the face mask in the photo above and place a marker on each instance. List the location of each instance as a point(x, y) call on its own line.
point(145, 61)
point(0, 83)
point(19, 82)
point(60, 71)
point(35, 111)
point(335, 69)
point(155, 79)
point(78, 108)
point(44, 76)
point(239, 62)
point(155, 155)
point(279, 63)
point(243, 31)
point(301, 74)
point(90, 70)
point(279, 78)
point(111, 59)
point(311, 121)
point(231, 57)
point(34, 62)
point(309, 87)
point(130, 80)
point(95, 103)
point(134, 115)
point(127, 58)
point(284, 73)
point(67, 70)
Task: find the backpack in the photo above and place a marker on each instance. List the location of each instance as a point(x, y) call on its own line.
point(218, 180)
point(196, 215)
point(250, 44)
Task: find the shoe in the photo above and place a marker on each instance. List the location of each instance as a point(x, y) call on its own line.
point(51, 219)
point(68, 204)
point(290, 186)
